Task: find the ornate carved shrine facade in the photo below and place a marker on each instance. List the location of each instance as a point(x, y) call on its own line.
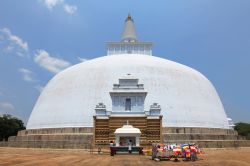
point(128, 98)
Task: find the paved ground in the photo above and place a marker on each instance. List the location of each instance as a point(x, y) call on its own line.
point(37, 157)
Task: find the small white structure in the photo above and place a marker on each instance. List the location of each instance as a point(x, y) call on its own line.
point(127, 131)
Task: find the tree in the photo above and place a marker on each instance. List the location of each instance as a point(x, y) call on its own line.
point(243, 129)
point(9, 126)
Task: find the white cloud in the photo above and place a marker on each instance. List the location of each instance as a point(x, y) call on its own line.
point(15, 39)
point(6, 107)
point(71, 9)
point(82, 59)
point(19, 41)
point(52, 64)
point(50, 4)
point(27, 75)
point(10, 43)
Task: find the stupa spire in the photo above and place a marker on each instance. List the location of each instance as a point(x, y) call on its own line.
point(129, 43)
point(129, 33)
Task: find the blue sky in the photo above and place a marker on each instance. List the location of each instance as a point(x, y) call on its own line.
point(39, 38)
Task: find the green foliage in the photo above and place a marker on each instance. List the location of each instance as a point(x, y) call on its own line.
point(9, 126)
point(243, 129)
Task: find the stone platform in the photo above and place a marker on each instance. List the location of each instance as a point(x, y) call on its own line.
point(65, 138)
point(82, 138)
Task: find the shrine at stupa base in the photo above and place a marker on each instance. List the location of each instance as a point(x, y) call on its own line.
point(150, 129)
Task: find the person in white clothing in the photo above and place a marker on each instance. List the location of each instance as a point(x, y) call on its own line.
point(130, 146)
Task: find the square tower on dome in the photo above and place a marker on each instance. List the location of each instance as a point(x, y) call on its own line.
point(128, 96)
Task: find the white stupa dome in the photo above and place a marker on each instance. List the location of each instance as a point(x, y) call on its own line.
point(187, 98)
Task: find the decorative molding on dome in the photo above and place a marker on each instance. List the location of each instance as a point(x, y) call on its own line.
point(155, 109)
point(155, 106)
point(100, 105)
point(128, 84)
point(117, 48)
point(100, 110)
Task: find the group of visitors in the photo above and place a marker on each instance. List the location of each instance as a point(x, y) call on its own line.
point(185, 151)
